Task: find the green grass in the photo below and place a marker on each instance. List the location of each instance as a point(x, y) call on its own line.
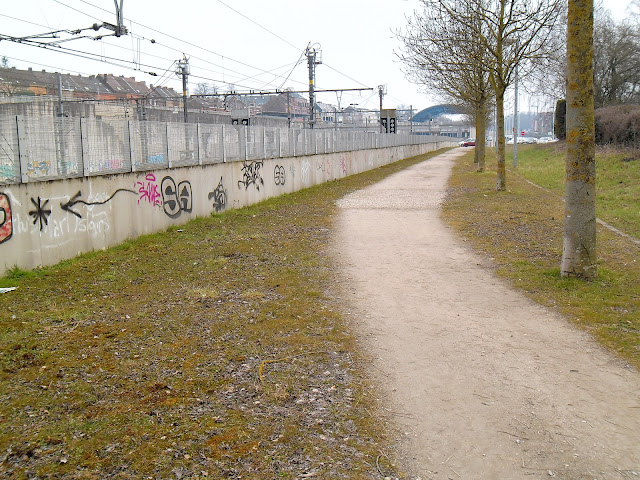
point(144, 360)
point(521, 231)
point(617, 180)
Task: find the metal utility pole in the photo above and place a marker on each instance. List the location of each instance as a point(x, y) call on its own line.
point(183, 70)
point(313, 59)
point(382, 91)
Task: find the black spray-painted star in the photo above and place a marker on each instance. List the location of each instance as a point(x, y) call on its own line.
point(40, 214)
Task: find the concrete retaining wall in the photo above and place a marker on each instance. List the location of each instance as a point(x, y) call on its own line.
point(45, 222)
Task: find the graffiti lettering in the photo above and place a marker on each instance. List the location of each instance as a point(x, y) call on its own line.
point(324, 166)
point(76, 200)
point(6, 221)
point(251, 175)
point(159, 158)
point(41, 213)
point(279, 174)
point(7, 171)
point(187, 155)
point(343, 165)
point(305, 171)
point(110, 164)
point(176, 200)
point(94, 224)
point(292, 169)
point(219, 196)
point(38, 168)
point(149, 191)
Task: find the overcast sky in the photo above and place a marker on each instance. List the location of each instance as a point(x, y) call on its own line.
point(253, 44)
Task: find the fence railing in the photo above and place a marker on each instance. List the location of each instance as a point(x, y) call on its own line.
point(34, 149)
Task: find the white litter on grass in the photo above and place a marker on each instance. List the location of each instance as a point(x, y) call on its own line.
point(8, 289)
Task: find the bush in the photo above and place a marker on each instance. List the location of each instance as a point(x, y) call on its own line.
point(560, 125)
point(619, 125)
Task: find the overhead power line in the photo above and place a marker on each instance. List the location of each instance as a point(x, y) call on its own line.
point(261, 26)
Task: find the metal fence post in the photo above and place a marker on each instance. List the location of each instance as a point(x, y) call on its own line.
point(131, 146)
point(84, 146)
point(198, 147)
point(224, 148)
point(23, 149)
point(243, 142)
point(278, 142)
point(169, 149)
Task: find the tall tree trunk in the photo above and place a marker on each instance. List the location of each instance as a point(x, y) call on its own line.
point(481, 134)
point(501, 182)
point(579, 245)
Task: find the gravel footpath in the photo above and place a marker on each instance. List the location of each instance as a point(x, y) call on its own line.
point(480, 382)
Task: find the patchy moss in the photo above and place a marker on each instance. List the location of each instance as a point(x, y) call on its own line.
point(217, 349)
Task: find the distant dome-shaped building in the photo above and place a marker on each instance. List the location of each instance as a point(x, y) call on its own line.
point(424, 116)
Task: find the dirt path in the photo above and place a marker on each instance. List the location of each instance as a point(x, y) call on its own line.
point(481, 382)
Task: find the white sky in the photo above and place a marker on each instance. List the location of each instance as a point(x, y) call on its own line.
point(224, 46)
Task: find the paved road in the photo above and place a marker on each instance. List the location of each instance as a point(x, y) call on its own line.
point(480, 382)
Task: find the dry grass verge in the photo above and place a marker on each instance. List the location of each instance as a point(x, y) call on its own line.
point(521, 231)
point(216, 350)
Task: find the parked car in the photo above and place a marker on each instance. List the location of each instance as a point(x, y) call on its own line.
point(522, 140)
point(469, 142)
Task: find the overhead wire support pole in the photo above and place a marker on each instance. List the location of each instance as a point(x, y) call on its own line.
point(312, 61)
point(183, 70)
point(382, 91)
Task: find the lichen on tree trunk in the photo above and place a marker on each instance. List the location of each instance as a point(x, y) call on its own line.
point(579, 244)
point(481, 135)
point(501, 181)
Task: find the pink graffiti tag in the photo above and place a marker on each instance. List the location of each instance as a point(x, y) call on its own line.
point(6, 225)
point(343, 165)
point(149, 191)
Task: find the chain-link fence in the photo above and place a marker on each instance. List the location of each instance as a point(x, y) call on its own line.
point(45, 148)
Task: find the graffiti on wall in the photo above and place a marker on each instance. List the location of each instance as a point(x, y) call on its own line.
point(343, 165)
point(292, 169)
point(251, 174)
point(39, 168)
point(155, 159)
point(76, 200)
point(6, 221)
point(306, 166)
point(41, 213)
point(148, 191)
point(176, 198)
point(279, 175)
point(7, 171)
point(324, 166)
point(219, 196)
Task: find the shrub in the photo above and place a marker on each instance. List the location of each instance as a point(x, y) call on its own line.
point(560, 125)
point(619, 125)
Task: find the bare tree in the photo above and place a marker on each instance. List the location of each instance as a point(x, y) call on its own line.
point(515, 33)
point(439, 54)
point(579, 244)
point(206, 89)
point(616, 58)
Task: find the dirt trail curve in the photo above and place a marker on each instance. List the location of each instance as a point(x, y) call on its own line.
point(481, 382)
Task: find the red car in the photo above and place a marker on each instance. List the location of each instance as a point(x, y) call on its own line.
point(469, 142)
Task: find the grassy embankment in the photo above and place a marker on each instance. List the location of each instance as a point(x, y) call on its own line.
point(521, 232)
point(213, 350)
